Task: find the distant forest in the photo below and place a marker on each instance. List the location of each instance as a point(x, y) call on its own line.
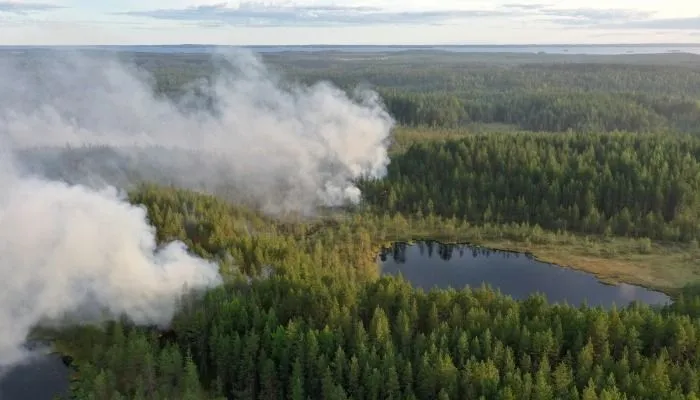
point(555, 93)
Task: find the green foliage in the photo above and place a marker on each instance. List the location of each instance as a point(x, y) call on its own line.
point(623, 184)
point(315, 326)
point(386, 340)
point(534, 92)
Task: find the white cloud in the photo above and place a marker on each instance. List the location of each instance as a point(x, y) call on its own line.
point(24, 7)
point(383, 21)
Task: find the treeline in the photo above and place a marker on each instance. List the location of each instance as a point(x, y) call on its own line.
point(657, 75)
point(538, 93)
point(546, 111)
point(622, 184)
point(533, 92)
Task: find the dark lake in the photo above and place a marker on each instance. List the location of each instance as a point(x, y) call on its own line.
point(431, 264)
point(40, 379)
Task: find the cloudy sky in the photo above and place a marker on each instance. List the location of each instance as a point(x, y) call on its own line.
point(348, 22)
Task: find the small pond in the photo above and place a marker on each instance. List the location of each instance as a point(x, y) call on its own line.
point(42, 378)
point(431, 264)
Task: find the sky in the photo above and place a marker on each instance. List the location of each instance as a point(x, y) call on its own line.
point(275, 22)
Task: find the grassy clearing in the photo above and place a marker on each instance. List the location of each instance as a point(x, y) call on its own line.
point(666, 268)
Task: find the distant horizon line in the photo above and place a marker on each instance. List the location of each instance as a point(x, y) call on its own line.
point(686, 44)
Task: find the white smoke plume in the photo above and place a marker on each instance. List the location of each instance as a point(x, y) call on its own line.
point(70, 245)
point(72, 250)
point(283, 148)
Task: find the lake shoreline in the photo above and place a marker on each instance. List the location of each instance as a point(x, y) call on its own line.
point(564, 256)
point(431, 263)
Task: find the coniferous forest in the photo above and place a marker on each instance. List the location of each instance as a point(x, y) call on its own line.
point(319, 324)
point(590, 161)
point(621, 184)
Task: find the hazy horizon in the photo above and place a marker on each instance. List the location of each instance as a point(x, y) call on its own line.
point(329, 44)
point(612, 49)
point(343, 22)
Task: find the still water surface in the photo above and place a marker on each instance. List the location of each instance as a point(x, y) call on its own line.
point(40, 379)
point(430, 264)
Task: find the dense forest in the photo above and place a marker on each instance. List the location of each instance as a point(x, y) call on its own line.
point(387, 341)
point(548, 110)
point(305, 312)
point(622, 184)
point(304, 317)
point(554, 93)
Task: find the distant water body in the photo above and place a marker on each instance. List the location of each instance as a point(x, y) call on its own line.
point(532, 49)
point(431, 264)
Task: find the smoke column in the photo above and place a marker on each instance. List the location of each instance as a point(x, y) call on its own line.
point(72, 250)
point(282, 148)
point(73, 128)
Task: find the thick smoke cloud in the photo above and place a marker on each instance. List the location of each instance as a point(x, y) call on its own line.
point(69, 251)
point(282, 148)
point(75, 128)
